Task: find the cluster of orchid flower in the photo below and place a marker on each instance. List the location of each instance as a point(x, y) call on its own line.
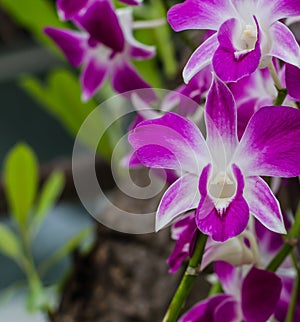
point(247, 71)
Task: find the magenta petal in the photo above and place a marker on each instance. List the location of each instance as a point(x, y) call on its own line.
point(200, 58)
point(204, 310)
point(132, 2)
point(72, 43)
point(230, 309)
point(101, 22)
point(221, 117)
point(283, 8)
point(263, 204)
point(125, 78)
point(260, 294)
point(92, 77)
point(179, 142)
point(184, 232)
point(292, 78)
point(225, 63)
point(270, 145)
point(285, 46)
point(181, 196)
point(225, 223)
point(69, 8)
point(199, 14)
point(229, 276)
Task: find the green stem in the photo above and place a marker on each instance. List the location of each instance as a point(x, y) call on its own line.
point(216, 288)
point(295, 292)
point(187, 281)
point(291, 241)
point(282, 92)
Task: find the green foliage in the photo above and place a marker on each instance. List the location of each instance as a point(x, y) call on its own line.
point(60, 96)
point(51, 191)
point(21, 181)
point(9, 244)
point(34, 15)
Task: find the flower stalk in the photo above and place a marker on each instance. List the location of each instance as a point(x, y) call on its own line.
point(187, 281)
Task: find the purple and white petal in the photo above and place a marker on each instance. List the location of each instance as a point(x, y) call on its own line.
point(101, 22)
point(285, 46)
point(124, 78)
point(136, 50)
point(270, 145)
point(282, 8)
point(260, 294)
point(200, 58)
point(292, 78)
point(69, 8)
point(204, 310)
point(184, 231)
point(92, 78)
point(170, 142)
point(231, 63)
point(221, 118)
point(180, 197)
point(218, 216)
point(263, 204)
point(72, 43)
point(230, 309)
point(230, 278)
point(199, 14)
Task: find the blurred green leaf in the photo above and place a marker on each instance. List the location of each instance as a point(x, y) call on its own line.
point(34, 15)
point(60, 96)
point(21, 181)
point(65, 250)
point(51, 191)
point(9, 244)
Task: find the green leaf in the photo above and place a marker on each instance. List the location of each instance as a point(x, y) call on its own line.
point(21, 181)
point(51, 191)
point(65, 250)
point(34, 15)
point(9, 244)
point(60, 96)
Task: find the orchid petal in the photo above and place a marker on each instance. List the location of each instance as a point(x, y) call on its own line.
point(181, 196)
point(200, 58)
point(229, 63)
point(69, 8)
point(204, 310)
point(132, 2)
point(260, 295)
point(228, 220)
point(229, 276)
point(72, 43)
point(136, 49)
point(101, 22)
point(125, 78)
point(283, 8)
point(285, 46)
point(92, 77)
point(170, 142)
point(270, 145)
point(229, 308)
point(263, 204)
point(199, 14)
point(221, 118)
point(292, 78)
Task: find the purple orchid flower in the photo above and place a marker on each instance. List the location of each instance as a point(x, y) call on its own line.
point(225, 170)
point(248, 34)
point(104, 48)
point(269, 244)
point(237, 251)
point(68, 9)
point(247, 296)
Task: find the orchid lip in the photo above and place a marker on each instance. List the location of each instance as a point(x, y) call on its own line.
point(222, 188)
